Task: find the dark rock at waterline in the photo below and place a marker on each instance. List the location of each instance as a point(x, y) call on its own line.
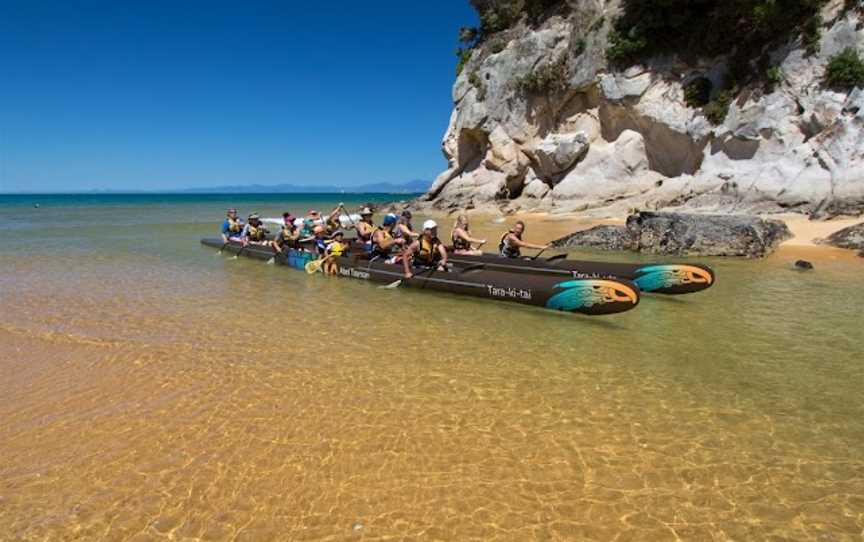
point(683, 234)
point(803, 265)
point(851, 238)
point(601, 237)
point(707, 235)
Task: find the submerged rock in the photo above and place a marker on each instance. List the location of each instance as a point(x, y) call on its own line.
point(851, 238)
point(683, 234)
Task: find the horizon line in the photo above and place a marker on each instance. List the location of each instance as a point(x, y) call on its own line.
point(187, 192)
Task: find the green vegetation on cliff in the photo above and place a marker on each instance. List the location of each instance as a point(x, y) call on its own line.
point(549, 78)
point(498, 15)
point(845, 70)
point(740, 28)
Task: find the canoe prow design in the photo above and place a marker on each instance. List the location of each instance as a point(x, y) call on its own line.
point(665, 277)
point(574, 294)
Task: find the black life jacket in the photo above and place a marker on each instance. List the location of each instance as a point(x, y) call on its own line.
point(505, 249)
point(459, 243)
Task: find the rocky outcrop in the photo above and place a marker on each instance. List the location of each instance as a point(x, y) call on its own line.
point(851, 238)
point(599, 237)
point(683, 234)
point(583, 136)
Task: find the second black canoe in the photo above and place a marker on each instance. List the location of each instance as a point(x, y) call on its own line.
point(660, 278)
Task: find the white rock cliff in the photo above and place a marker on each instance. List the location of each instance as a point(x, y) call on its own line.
point(614, 141)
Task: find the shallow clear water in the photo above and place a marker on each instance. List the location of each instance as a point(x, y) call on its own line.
point(154, 389)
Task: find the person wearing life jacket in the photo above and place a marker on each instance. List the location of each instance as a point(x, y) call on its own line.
point(319, 240)
point(255, 232)
point(312, 219)
point(462, 240)
point(336, 247)
point(365, 227)
point(383, 241)
point(287, 236)
point(403, 229)
point(299, 225)
point(332, 221)
point(426, 252)
point(232, 228)
point(512, 243)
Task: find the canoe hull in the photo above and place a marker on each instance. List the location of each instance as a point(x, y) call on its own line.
point(671, 279)
point(592, 296)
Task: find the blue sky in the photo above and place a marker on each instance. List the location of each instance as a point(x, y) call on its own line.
point(160, 95)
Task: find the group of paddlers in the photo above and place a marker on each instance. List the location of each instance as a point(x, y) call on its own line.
point(394, 241)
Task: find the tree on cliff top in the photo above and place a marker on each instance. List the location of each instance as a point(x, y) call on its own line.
point(740, 28)
point(498, 15)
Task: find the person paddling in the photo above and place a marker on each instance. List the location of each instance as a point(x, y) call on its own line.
point(312, 219)
point(255, 232)
point(462, 240)
point(287, 236)
point(426, 252)
point(403, 229)
point(332, 221)
point(383, 241)
point(365, 227)
point(512, 243)
point(232, 228)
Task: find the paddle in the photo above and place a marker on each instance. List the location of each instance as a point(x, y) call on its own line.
point(315, 265)
point(556, 257)
point(239, 252)
point(391, 286)
point(539, 253)
point(348, 214)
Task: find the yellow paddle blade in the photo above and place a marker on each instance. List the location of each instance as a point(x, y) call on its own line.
point(313, 266)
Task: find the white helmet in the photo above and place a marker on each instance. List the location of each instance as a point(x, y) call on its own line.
point(430, 225)
point(298, 222)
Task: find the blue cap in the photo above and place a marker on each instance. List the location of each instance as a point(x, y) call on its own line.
point(390, 219)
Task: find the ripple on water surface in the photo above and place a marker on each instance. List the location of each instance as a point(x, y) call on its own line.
point(165, 391)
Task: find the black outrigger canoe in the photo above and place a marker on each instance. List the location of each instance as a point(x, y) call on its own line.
point(593, 296)
point(660, 278)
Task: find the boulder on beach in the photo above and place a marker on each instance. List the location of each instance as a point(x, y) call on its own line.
point(851, 238)
point(683, 234)
point(599, 237)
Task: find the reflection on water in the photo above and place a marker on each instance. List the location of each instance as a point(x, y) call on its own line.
point(153, 389)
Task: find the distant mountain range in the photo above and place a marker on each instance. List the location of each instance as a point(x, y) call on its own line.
point(410, 187)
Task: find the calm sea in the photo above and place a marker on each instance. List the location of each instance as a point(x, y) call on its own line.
point(154, 389)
